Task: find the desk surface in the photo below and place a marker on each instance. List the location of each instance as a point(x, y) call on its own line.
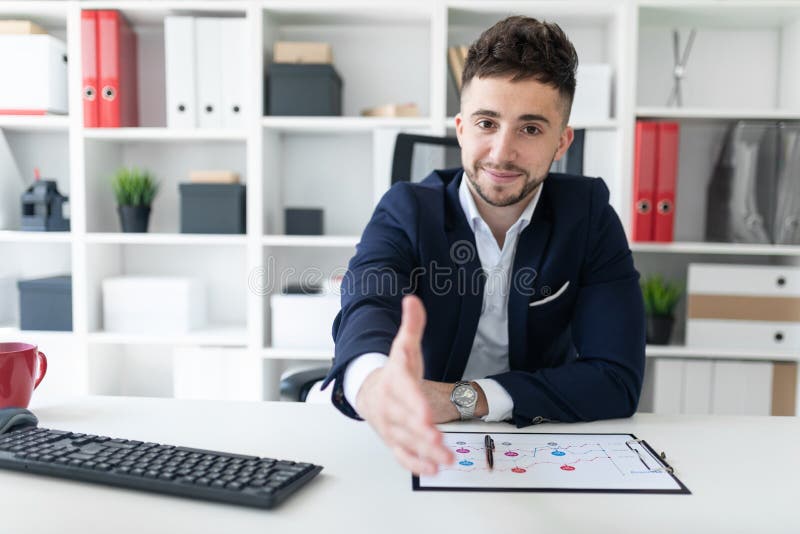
point(744, 473)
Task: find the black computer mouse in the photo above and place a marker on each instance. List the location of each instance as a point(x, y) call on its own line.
point(15, 418)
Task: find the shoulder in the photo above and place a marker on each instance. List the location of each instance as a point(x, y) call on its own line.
point(580, 195)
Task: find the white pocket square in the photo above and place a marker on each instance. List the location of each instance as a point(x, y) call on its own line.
point(552, 297)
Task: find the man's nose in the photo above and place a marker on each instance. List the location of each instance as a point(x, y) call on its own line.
point(504, 146)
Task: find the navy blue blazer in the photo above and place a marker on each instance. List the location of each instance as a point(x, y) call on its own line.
point(578, 356)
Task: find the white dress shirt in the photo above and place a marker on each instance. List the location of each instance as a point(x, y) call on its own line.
point(489, 353)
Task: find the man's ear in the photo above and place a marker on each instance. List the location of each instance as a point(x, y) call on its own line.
point(459, 127)
point(564, 141)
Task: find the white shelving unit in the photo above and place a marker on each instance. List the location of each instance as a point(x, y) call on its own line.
point(385, 51)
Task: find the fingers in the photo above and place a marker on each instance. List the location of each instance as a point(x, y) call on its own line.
point(407, 346)
point(416, 465)
point(412, 324)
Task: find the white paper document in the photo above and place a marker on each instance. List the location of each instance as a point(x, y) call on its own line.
point(552, 462)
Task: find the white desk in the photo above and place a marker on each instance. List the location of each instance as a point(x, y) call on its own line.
point(744, 473)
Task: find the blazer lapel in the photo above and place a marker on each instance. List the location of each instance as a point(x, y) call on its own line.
point(527, 263)
point(466, 280)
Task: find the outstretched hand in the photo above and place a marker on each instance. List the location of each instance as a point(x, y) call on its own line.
point(393, 402)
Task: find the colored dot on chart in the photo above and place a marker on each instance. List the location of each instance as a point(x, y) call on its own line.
point(567, 468)
point(558, 453)
point(462, 450)
point(511, 453)
point(518, 470)
point(465, 462)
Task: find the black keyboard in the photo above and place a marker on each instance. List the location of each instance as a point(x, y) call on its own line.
point(195, 473)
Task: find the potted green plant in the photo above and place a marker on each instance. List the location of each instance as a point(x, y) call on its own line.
point(134, 191)
point(660, 298)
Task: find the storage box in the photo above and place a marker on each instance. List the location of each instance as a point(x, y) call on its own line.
point(309, 90)
point(34, 71)
point(213, 208)
point(216, 373)
point(303, 321)
point(46, 303)
point(743, 307)
point(153, 304)
point(303, 221)
point(592, 101)
point(302, 52)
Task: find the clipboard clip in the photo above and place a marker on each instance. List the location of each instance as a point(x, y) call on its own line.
point(660, 458)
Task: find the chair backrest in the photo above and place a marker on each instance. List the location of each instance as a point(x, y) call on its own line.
point(415, 156)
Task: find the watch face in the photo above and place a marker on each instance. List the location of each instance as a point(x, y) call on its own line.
point(464, 395)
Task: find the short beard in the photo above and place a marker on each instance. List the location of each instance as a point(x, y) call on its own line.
point(526, 190)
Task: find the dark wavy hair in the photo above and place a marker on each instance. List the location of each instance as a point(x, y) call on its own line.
point(525, 48)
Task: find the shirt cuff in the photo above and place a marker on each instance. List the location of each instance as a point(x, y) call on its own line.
point(357, 371)
point(500, 403)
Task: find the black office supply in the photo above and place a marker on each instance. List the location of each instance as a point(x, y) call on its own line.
point(304, 221)
point(181, 471)
point(43, 208)
point(488, 444)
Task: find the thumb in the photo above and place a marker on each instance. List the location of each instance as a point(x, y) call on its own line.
point(412, 325)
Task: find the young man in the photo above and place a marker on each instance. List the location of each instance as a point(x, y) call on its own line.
point(526, 304)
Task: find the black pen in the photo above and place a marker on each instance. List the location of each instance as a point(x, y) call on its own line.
point(488, 444)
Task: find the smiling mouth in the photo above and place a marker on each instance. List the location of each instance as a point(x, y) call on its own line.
point(502, 176)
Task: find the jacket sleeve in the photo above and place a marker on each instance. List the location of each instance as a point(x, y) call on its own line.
point(377, 278)
point(608, 332)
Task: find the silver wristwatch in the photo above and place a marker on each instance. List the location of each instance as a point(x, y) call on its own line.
point(465, 397)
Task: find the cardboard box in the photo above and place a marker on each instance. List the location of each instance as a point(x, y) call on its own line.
point(303, 321)
point(302, 52)
point(392, 110)
point(153, 304)
point(214, 177)
point(20, 27)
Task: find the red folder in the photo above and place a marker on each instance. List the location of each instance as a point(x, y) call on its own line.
point(644, 180)
point(89, 66)
point(666, 175)
point(116, 46)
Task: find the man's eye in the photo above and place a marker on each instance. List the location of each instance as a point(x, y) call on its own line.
point(484, 124)
point(531, 130)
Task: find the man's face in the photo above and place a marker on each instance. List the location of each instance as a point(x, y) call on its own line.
point(510, 133)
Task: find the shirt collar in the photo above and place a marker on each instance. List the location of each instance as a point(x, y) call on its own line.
point(473, 215)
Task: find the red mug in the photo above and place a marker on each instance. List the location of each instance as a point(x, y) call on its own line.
point(22, 367)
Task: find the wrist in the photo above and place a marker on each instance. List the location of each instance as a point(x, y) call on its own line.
point(362, 397)
point(482, 406)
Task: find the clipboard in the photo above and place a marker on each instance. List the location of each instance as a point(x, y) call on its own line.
point(552, 462)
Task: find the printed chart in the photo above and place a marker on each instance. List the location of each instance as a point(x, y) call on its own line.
point(552, 462)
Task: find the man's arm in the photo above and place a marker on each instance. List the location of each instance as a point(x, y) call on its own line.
point(608, 330)
point(494, 402)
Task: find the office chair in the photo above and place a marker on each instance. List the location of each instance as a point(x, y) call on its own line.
point(414, 158)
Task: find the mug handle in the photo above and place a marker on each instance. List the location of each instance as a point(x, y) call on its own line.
point(42, 368)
